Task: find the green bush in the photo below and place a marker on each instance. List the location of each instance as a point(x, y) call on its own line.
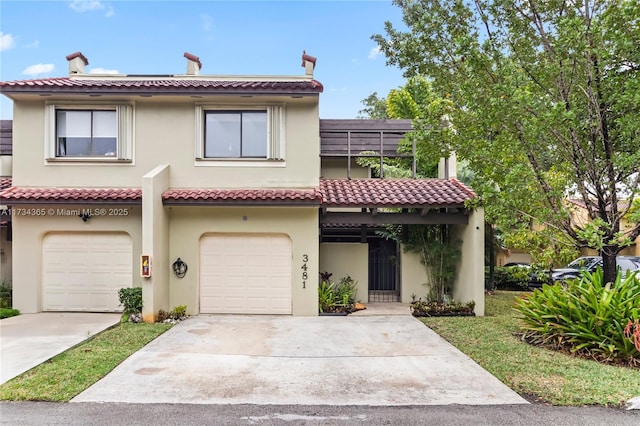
point(511, 278)
point(6, 295)
point(131, 299)
point(586, 316)
point(337, 297)
point(8, 312)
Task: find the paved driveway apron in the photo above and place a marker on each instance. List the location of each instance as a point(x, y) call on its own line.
point(353, 360)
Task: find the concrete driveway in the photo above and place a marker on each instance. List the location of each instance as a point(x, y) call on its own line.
point(30, 339)
point(352, 360)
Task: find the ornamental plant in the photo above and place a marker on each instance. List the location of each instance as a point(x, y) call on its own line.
point(586, 317)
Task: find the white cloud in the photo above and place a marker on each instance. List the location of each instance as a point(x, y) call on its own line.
point(375, 52)
point(38, 69)
point(103, 71)
point(207, 22)
point(6, 41)
point(82, 6)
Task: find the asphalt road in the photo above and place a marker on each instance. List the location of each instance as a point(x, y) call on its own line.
point(44, 413)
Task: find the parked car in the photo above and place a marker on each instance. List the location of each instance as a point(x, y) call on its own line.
point(517, 265)
point(579, 265)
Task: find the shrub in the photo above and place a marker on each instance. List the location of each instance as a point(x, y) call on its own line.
point(586, 316)
point(178, 313)
point(511, 278)
point(433, 308)
point(6, 295)
point(337, 297)
point(8, 312)
point(131, 299)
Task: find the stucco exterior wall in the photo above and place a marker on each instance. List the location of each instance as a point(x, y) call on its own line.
point(155, 242)
point(6, 165)
point(337, 169)
point(342, 259)
point(413, 277)
point(28, 234)
point(165, 133)
point(189, 224)
point(469, 284)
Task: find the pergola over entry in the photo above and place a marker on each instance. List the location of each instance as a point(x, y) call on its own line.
point(415, 201)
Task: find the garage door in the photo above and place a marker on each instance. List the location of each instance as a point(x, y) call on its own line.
point(245, 274)
point(84, 271)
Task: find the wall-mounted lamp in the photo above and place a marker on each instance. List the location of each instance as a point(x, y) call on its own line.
point(85, 216)
point(179, 268)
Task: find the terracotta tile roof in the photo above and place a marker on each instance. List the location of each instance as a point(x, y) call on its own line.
point(331, 193)
point(5, 182)
point(243, 196)
point(16, 195)
point(394, 192)
point(160, 85)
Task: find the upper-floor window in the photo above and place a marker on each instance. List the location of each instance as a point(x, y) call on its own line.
point(253, 133)
point(235, 134)
point(89, 132)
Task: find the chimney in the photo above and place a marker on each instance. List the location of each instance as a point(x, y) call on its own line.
point(193, 64)
point(309, 63)
point(77, 62)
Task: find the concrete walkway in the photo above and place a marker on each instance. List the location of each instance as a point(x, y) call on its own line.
point(363, 359)
point(30, 339)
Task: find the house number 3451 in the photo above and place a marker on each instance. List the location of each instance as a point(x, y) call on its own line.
point(305, 273)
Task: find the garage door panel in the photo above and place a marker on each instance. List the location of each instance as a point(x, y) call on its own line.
point(248, 274)
point(84, 271)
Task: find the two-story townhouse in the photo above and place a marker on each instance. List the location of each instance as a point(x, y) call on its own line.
point(205, 191)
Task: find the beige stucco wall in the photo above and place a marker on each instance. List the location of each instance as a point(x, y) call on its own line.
point(503, 258)
point(337, 169)
point(28, 234)
point(155, 243)
point(6, 165)
point(469, 284)
point(165, 133)
point(189, 224)
point(413, 277)
point(342, 259)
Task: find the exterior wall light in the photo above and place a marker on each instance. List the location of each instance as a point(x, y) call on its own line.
point(179, 268)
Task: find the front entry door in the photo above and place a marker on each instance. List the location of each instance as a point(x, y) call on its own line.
point(383, 270)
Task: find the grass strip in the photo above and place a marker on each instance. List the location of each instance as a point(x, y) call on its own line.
point(71, 372)
point(536, 373)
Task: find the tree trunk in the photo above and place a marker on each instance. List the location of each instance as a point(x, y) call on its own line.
point(609, 267)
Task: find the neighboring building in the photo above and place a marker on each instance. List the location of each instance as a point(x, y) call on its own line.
point(580, 216)
point(226, 194)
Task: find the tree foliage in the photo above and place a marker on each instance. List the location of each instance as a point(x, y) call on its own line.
point(545, 100)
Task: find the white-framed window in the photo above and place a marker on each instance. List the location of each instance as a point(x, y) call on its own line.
point(89, 132)
point(239, 133)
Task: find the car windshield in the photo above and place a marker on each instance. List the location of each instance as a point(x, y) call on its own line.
point(583, 263)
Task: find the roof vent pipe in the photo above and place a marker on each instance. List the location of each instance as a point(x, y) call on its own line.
point(77, 62)
point(309, 63)
point(193, 64)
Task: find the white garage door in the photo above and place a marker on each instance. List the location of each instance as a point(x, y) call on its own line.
point(245, 274)
point(84, 271)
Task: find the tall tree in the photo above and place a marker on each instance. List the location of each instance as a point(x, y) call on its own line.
point(546, 99)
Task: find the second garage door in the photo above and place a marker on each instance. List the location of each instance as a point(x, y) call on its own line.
point(83, 271)
point(245, 274)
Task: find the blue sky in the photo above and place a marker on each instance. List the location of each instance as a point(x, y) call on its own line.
point(230, 37)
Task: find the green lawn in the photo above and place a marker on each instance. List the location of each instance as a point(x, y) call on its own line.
point(536, 373)
point(68, 374)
